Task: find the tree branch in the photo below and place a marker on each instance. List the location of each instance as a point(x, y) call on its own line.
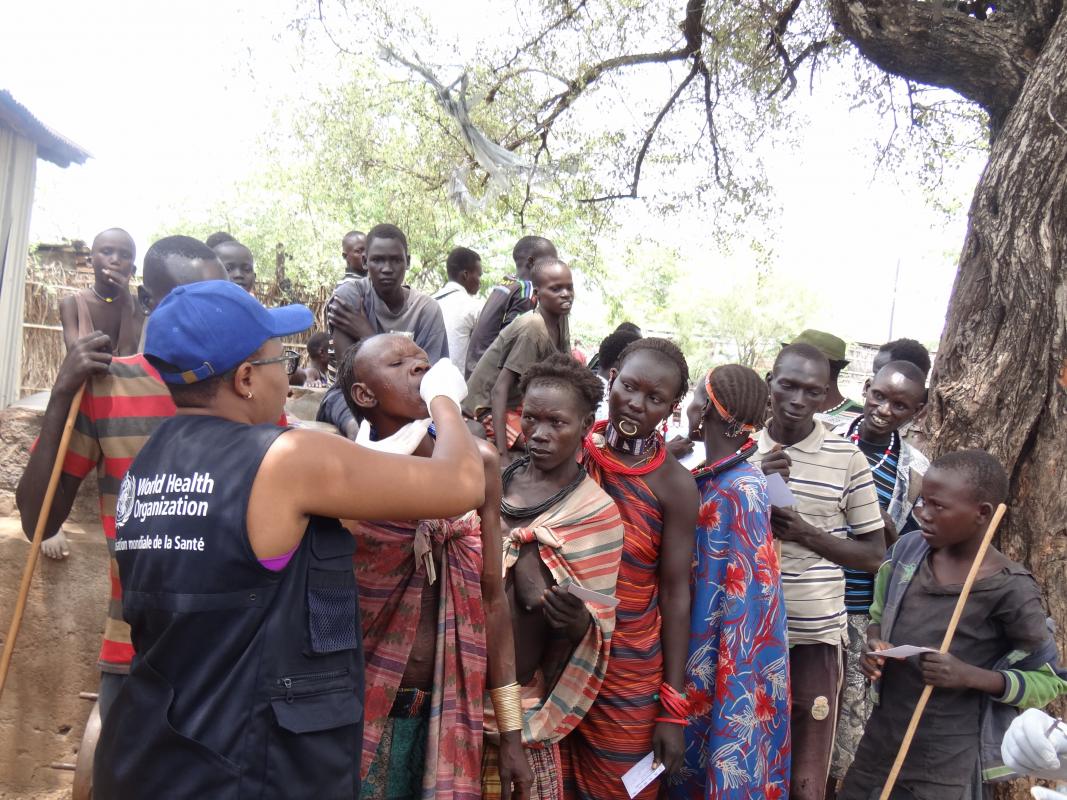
point(648, 140)
point(790, 65)
point(490, 95)
point(985, 61)
point(693, 33)
point(562, 101)
point(709, 112)
point(559, 23)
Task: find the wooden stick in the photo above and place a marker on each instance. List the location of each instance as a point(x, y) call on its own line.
point(38, 536)
point(949, 633)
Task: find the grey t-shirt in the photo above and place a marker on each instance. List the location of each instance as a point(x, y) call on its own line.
point(520, 345)
point(420, 317)
point(334, 409)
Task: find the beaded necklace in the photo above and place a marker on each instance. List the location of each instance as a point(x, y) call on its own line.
point(632, 445)
point(596, 447)
point(854, 437)
point(835, 409)
point(723, 464)
point(525, 512)
point(101, 297)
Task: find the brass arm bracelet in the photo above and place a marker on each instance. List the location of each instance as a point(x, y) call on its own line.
point(507, 703)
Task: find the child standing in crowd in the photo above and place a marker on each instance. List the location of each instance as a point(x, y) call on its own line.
point(107, 305)
point(314, 375)
point(494, 398)
point(1003, 653)
point(895, 396)
point(237, 259)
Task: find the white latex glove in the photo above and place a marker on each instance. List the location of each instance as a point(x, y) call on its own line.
point(404, 441)
point(443, 379)
point(1040, 793)
point(1030, 750)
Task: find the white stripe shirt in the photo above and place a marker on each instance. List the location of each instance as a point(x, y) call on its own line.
point(835, 492)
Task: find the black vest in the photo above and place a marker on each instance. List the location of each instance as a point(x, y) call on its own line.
point(246, 682)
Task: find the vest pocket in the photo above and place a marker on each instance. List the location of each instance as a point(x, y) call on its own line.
point(321, 711)
point(331, 600)
point(315, 743)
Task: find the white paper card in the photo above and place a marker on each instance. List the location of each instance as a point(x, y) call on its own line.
point(589, 596)
point(778, 493)
point(695, 458)
point(641, 775)
point(903, 651)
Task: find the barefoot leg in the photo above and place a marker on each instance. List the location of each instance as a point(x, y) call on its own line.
point(56, 547)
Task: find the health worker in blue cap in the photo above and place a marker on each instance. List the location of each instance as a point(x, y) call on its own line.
point(237, 577)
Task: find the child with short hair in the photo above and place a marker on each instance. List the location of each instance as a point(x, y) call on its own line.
point(315, 373)
point(106, 306)
point(239, 263)
point(1003, 656)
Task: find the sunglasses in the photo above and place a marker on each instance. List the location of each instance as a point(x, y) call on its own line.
point(290, 357)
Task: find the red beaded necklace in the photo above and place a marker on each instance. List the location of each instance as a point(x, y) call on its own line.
point(597, 448)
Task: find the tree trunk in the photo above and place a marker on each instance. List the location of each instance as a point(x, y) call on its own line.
point(1000, 381)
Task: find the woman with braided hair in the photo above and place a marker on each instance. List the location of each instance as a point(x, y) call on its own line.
point(640, 707)
point(737, 740)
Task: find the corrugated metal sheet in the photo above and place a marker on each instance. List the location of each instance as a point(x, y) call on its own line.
point(18, 168)
point(51, 146)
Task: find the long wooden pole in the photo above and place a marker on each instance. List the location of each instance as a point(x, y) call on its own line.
point(38, 536)
point(949, 633)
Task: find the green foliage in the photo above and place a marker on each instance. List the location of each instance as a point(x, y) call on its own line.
point(743, 321)
point(741, 103)
point(374, 149)
point(728, 310)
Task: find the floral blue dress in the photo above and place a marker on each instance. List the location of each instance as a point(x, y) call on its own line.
point(737, 674)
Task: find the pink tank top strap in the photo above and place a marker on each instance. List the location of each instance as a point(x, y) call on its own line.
point(278, 563)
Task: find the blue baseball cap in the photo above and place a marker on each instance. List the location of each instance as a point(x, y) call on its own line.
point(210, 327)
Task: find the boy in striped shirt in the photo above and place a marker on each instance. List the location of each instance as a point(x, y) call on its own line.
point(124, 402)
point(895, 396)
point(837, 523)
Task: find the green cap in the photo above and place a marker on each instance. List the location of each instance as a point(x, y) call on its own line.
point(832, 347)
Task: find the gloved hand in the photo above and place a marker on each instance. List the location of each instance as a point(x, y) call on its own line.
point(443, 379)
point(1029, 748)
point(403, 442)
point(1040, 793)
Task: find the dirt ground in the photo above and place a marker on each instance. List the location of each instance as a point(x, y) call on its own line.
point(41, 715)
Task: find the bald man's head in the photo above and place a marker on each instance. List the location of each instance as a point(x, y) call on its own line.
point(381, 377)
point(528, 250)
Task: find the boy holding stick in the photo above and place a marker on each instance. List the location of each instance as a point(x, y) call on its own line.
point(1003, 654)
